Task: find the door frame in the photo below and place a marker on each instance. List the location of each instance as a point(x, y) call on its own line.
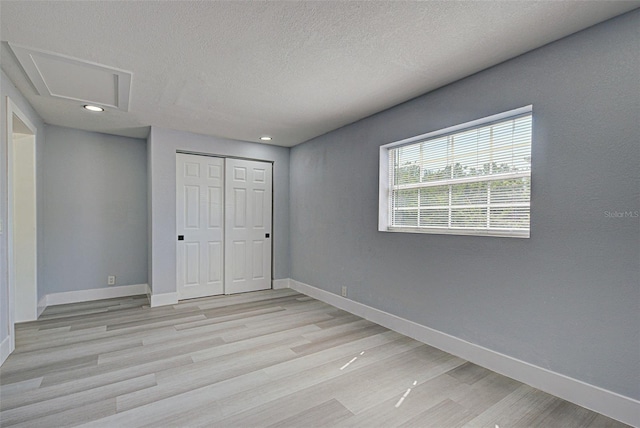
point(14, 110)
point(213, 155)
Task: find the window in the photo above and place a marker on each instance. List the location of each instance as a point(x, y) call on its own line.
point(470, 179)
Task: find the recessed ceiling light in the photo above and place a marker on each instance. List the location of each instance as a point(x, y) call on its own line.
point(93, 108)
point(265, 138)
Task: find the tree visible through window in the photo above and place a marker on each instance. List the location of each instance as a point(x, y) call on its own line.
point(475, 180)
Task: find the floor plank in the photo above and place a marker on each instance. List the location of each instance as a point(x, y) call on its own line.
point(272, 358)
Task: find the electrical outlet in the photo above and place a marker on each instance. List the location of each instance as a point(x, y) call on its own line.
point(344, 291)
point(111, 280)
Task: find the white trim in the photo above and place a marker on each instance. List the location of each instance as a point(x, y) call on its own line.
point(384, 208)
point(507, 233)
point(471, 124)
point(5, 349)
point(95, 294)
point(164, 299)
point(384, 187)
point(12, 109)
point(42, 305)
point(278, 284)
point(609, 403)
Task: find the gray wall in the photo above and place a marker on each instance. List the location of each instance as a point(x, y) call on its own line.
point(95, 210)
point(162, 147)
point(567, 299)
point(7, 89)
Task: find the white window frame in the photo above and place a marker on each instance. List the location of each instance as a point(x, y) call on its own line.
point(384, 206)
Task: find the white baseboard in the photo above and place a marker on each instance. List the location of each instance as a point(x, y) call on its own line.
point(163, 299)
point(5, 349)
point(611, 404)
point(94, 294)
point(42, 305)
point(278, 284)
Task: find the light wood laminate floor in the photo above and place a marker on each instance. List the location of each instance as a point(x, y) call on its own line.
point(266, 359)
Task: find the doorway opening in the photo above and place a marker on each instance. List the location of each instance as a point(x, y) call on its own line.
point(22, 219)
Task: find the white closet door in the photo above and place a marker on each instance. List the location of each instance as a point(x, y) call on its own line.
point(248, 193)
point(200, 225)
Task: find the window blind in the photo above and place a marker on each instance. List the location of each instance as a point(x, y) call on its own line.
point(475, 180)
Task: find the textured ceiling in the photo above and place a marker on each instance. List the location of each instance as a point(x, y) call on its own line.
point(292, 70)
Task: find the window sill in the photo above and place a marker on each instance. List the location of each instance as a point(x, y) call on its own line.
point(461, 231)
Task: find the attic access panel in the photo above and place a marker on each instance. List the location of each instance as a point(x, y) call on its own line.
point(59, 76)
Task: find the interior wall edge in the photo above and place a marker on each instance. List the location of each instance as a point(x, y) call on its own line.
point(8, 91)
point(5, 349)
point(163, 299)
point(42, 305)
point(278, 284)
